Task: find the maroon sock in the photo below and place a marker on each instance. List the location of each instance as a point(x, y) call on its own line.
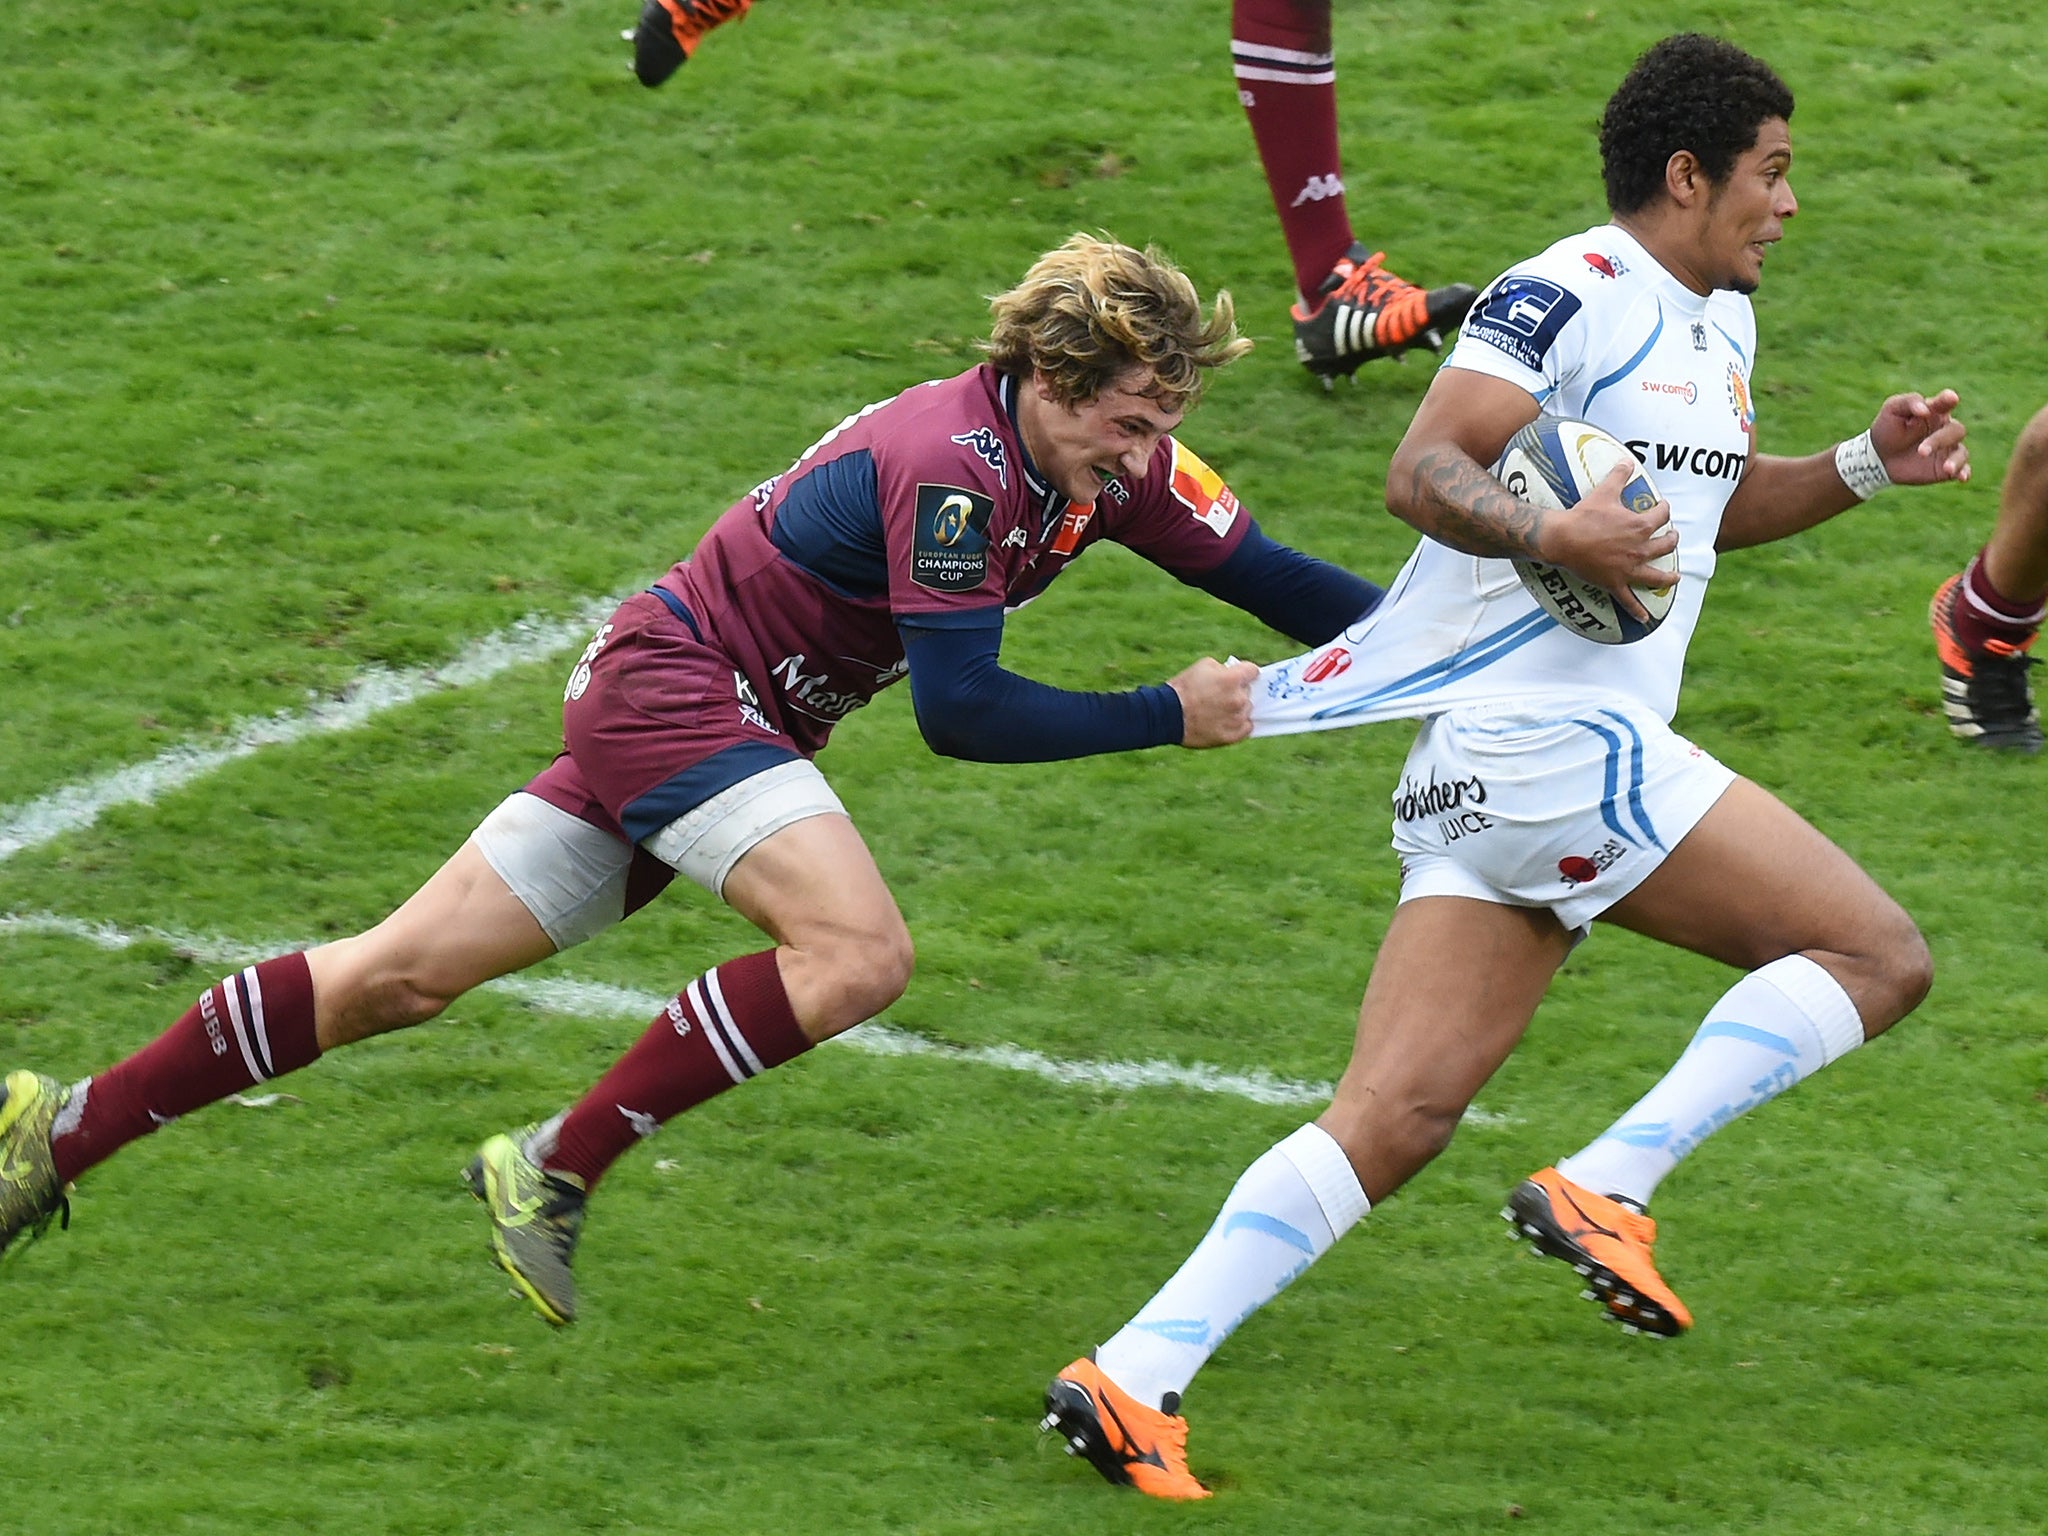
point(726, 1026)
point(1286, 78)
point(1984, 614)
point(254, 1025)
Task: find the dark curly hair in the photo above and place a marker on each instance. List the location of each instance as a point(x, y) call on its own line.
point(1687, 92)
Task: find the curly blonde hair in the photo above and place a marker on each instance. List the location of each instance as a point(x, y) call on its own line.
point(1090, 311)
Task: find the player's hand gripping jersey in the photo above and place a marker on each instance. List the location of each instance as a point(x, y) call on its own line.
point(1592, 328)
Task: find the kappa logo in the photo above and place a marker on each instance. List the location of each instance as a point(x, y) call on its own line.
point(764, 493)
point(1699, 336)
point(1318, 189)
point(1201, 490)
point(1118, 491)
point(643, 1125)
point(1016, 538)
point(984, 442)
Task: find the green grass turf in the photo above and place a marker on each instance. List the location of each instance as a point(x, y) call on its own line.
point(339, 334)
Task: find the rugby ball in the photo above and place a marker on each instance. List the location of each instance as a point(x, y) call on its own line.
point(1552, 462)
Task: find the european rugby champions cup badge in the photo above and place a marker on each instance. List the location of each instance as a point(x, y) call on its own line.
point(949, 545)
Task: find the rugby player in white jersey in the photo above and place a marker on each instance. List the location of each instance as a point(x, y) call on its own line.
point(1545, 788)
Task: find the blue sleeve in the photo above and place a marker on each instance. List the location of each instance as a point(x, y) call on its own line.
point(1307, 599)
point(969, 707)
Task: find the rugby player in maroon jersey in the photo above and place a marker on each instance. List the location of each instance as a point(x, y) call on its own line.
point(893, 546)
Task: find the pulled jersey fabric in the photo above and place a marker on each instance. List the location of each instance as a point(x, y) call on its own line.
point(1592, 328)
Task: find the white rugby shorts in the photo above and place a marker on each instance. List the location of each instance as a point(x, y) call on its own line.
point(572, 876)
point(1565, 805)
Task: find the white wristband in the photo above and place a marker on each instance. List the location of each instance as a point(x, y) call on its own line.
point(1856, 461)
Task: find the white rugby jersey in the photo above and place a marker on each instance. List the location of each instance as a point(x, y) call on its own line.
point(1592, 328)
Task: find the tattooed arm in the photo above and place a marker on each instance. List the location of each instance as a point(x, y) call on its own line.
point(1438, 484)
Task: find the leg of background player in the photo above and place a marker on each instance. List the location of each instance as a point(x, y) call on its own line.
point(1832, 960)
point(1429, 1035)
point(1352, 309)
point(670, 30)
point(1986, 618)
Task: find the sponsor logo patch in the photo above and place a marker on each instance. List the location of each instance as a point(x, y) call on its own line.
point(1606, 266)
point(1415, 801)
point(1687, 459)
point(1687, 391)
point(949, 543)
point(1201, 490)
point(1521, 316)
point(1328, 665)
point(1578, 869)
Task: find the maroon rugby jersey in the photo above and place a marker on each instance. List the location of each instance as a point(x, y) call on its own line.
point(920, 505)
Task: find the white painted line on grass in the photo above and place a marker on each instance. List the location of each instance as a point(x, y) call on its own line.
point(374, 691)
point(601, 1000)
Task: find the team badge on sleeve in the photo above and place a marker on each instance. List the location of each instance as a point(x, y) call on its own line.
point(1522, 315)
point(1201, 490)
point(949, 549)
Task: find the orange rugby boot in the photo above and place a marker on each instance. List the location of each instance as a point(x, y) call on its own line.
point(1131, 1445)
point(1607, 1242)
point(670, 30)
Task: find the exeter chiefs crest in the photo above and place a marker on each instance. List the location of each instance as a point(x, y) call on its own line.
point(1738, 398)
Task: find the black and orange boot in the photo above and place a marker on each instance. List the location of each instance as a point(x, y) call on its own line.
point(1985, 694)
point(1129, 1444)
point(670, 31)
point(1363, 311)
point(1607, 1242)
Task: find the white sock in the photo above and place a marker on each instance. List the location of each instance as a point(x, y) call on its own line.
point(1285, 1212)
point(1775, 1027)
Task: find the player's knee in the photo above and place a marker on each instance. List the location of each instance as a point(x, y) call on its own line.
point(850, 976)
point(1389, 1138)
point(1909, 968)
point(1896, 970)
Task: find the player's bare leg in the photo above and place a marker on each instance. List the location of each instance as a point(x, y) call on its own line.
point(462, 928)
point(1986, 617)
point(1430, 1033)
point(1433, 1029)
point(841, 955)
point(1831, 961)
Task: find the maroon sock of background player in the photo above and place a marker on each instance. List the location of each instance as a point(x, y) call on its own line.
point(1286, 78)
point(726, 1026)
point(254, 1025)
point(1984, 614)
